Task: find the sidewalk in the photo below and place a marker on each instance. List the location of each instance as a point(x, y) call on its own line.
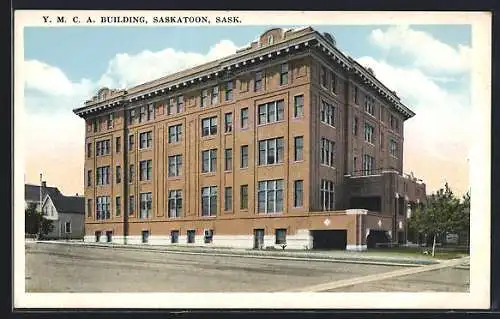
point(331, 256)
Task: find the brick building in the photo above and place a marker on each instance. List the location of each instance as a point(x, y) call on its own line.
point(287, 140)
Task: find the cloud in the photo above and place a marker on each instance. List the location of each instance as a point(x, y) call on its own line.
point(425, 50)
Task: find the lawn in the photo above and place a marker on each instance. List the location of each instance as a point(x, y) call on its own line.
point(440, 253)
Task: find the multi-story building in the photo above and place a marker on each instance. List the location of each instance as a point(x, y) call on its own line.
point(286, 141)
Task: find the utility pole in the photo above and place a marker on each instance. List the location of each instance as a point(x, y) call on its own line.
point(40, 209)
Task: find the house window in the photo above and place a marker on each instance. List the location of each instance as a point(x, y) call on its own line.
point(228, 159)
point(67, 227)
point(270, 196)
point(228, 198)
point(209, 160)
point(271, 151)
point(298, 106)
point(102, 148)
point(270, 39)
point(228, 122)
point(333, 78)
point(103, 208)
point(170, 106)
point(298, 148)
point(284, 74)
point(244, 156)
point(131, 205)
point(89, 150)
point(215, 95)
point(209, 201)
point(89, 207)
point(370, 105)
point(191, 236)
point(131, 142)
point(131, 173)
point(327, 113)
point(180, 104)
point(118, 206)
point(271, 112)
point(174, 236)
point(146, 168)
point(174, 203)
point(393, 148)
point(95, 124)
point(355, 126)
point(244, 197)
point(118, 174)
point(394, 123)
point(118, 144)
point(209, 126)
point(327, 195)
point(142, 114)
point(146, 205)
point(89, 178)
point(327, 149)
point(258, 81)
point(174, 165)
point(369, 133)
point(204, 98)
point(244, 118)
point(298, 190)
point(229, 91)
point(102, 175)
point(131, 117)
point(356, 95)
point(368, 164)
point(146, 140)
point(174, 133)
point(151, 112)
point(280, 236)
point(323, 77)
point(209, 233)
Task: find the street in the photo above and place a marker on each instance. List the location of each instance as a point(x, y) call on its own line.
point(72, 268)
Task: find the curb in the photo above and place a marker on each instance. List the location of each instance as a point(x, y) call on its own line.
point(374, 261)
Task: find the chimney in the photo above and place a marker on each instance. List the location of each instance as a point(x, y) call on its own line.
point(44, 184)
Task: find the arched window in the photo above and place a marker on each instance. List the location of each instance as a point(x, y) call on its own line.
point(270, 39)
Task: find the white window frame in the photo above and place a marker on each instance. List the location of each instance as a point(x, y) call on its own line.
point(175, 200)
point(271, 147)
point(266, 188)
point(212, 161)
point(177, 163)
point(275, 108)
point(210, 193)
point(327, 191)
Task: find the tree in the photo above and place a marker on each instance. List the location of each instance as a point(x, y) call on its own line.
point(34, 220)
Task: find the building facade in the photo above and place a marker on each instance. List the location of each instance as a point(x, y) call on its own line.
point(285, 142)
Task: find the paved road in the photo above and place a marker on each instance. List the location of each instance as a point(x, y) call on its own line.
point(66, 268)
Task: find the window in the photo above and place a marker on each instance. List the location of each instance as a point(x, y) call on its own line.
point(323, 77)
point(298, 148)
point(146, 140)
point(228, 159)
point(284, 74)
point(209, 126)
point(174, 203)
point(271, 151)
point(369, 133)
point(327, 195)
point(327, 113)
point(393, 148)
point(131, 205)
point(151, 112)
point(298, 106)
point(228, 122)
point(146, 205)
point(102, 148)
point(258, 81)
point(89, 207)
point(394, 123)
point(368, 164)
point(174, 133)
point(370, 105)
point(131, 117)
point(145, 236)
point(142, 114)
point(174, 236)
point(244, 156)
point(146, 168)
point(270, 39)
point(229, 91)
point(204, 98)
point(355, 164)
point(208, 160)
point(191, 236)
point(298, 190)
point(118, 206)
point(271, 112)
point(327, 149)
point(95, 125)
point(228, 198)
point(170, 106)
point(355, 95)
point(102, 175)
point(102, 208)
point(131, 173)
point(209, 234)
point(244, 197)
point(244, 118)
point(89, 150)
point(209, 201)
point(333, 79)
point(118, 174)
point(118, 144)
point(280, 236)
point(67, 227)
point(174, 165)
point(180, 104)
point(131, 142)
point(355, 126)
point(89, 178)
point(215, 95)
point(270, 196)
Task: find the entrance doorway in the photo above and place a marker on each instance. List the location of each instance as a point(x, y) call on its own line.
point(258, 238)
point(97, 236)
point(145, 236)
point(109, 236)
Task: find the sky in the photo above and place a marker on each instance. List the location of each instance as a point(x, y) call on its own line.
point(429, 66)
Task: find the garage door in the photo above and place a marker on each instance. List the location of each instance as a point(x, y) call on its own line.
point(329, 239)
